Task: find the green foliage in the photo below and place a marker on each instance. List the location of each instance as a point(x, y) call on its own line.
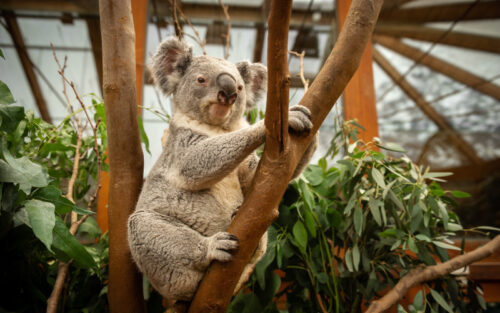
point(36, 162)
point(346, 233)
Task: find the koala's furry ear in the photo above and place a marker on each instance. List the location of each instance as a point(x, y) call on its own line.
point(255, 77)
point(170, 62)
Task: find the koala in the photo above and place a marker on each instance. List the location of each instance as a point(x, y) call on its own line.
point(205, 170)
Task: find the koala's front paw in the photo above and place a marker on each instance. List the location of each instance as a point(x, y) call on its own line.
point(299, 120)
point(220, 246)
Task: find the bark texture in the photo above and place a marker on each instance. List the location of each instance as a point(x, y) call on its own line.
point(124, 150)
point(423, 274)
point(283, 152)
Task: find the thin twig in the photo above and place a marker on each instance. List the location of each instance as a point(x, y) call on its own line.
point(198, 38)
point(228, 34)
point(426, 273)
point(178, 27)
point(301, 56)
point(321, 305)
point(63, 267)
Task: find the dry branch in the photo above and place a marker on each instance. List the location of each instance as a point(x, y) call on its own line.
point(423, 274)
point(228, 34)
point(282, 153)
point(179, 29)
point(63, 267)
point(305, 82)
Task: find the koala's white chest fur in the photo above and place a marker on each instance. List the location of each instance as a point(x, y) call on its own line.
point(228, 192)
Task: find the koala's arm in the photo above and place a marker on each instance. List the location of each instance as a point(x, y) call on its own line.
point(306, 158)
point(207, 161)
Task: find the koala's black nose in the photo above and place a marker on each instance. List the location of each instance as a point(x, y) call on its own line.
point(227, 88)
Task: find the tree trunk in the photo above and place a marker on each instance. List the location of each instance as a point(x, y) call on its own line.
point(124, 150)
point(283, 152)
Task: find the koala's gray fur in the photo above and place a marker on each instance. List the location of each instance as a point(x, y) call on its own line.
point(201, 178)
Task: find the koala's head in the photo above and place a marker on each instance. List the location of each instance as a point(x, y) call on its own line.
point(212, 90)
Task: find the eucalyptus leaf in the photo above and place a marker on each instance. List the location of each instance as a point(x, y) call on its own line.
point(378, 177)
point(374, 210)
point(314, 175)
point(42, 220)
point(23, 172)
point(445, 245)
point(310, 224)
point(348, 260)
point(358, 220)
point(300, 234)
point(488, 228)
point(143, 135)
point(441, 301)
point(10, 116)
point(5, 95)
point(355, 257)
point(65, 242)
point(306, 193)
point(460, 194)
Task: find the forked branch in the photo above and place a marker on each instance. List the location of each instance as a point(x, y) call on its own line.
point(282, 153)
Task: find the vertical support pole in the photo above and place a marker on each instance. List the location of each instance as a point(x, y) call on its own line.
point(359, 95)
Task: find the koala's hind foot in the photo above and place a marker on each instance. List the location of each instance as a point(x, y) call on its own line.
point(299, 120)
point(220, 246)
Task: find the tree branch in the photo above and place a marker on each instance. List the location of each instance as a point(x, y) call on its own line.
point(423, 274)
point(281, 156)
point(124, 150)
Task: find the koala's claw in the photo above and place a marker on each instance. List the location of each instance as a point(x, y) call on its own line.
point(220, 246)
point(299, 120)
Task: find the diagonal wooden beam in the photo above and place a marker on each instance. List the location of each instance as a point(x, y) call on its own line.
point(441, 66)
point(454, 38)
point(94, 30)
point(17, 39)
point(443, 13)
point(426, 108)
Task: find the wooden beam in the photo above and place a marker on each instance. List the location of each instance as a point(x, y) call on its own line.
point(17, 39)
point(443, 13)
point(472, 173)
point(441, 66)
point(94, 30)
point(359, 95)
point(194, 11)
point(453, 38)
point(426, 108)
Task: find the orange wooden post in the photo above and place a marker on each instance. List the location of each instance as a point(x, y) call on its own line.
point(140, 15)
point(359, 95)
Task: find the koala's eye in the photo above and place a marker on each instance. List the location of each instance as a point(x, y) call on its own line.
point(240, 87)
point(201, 80)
